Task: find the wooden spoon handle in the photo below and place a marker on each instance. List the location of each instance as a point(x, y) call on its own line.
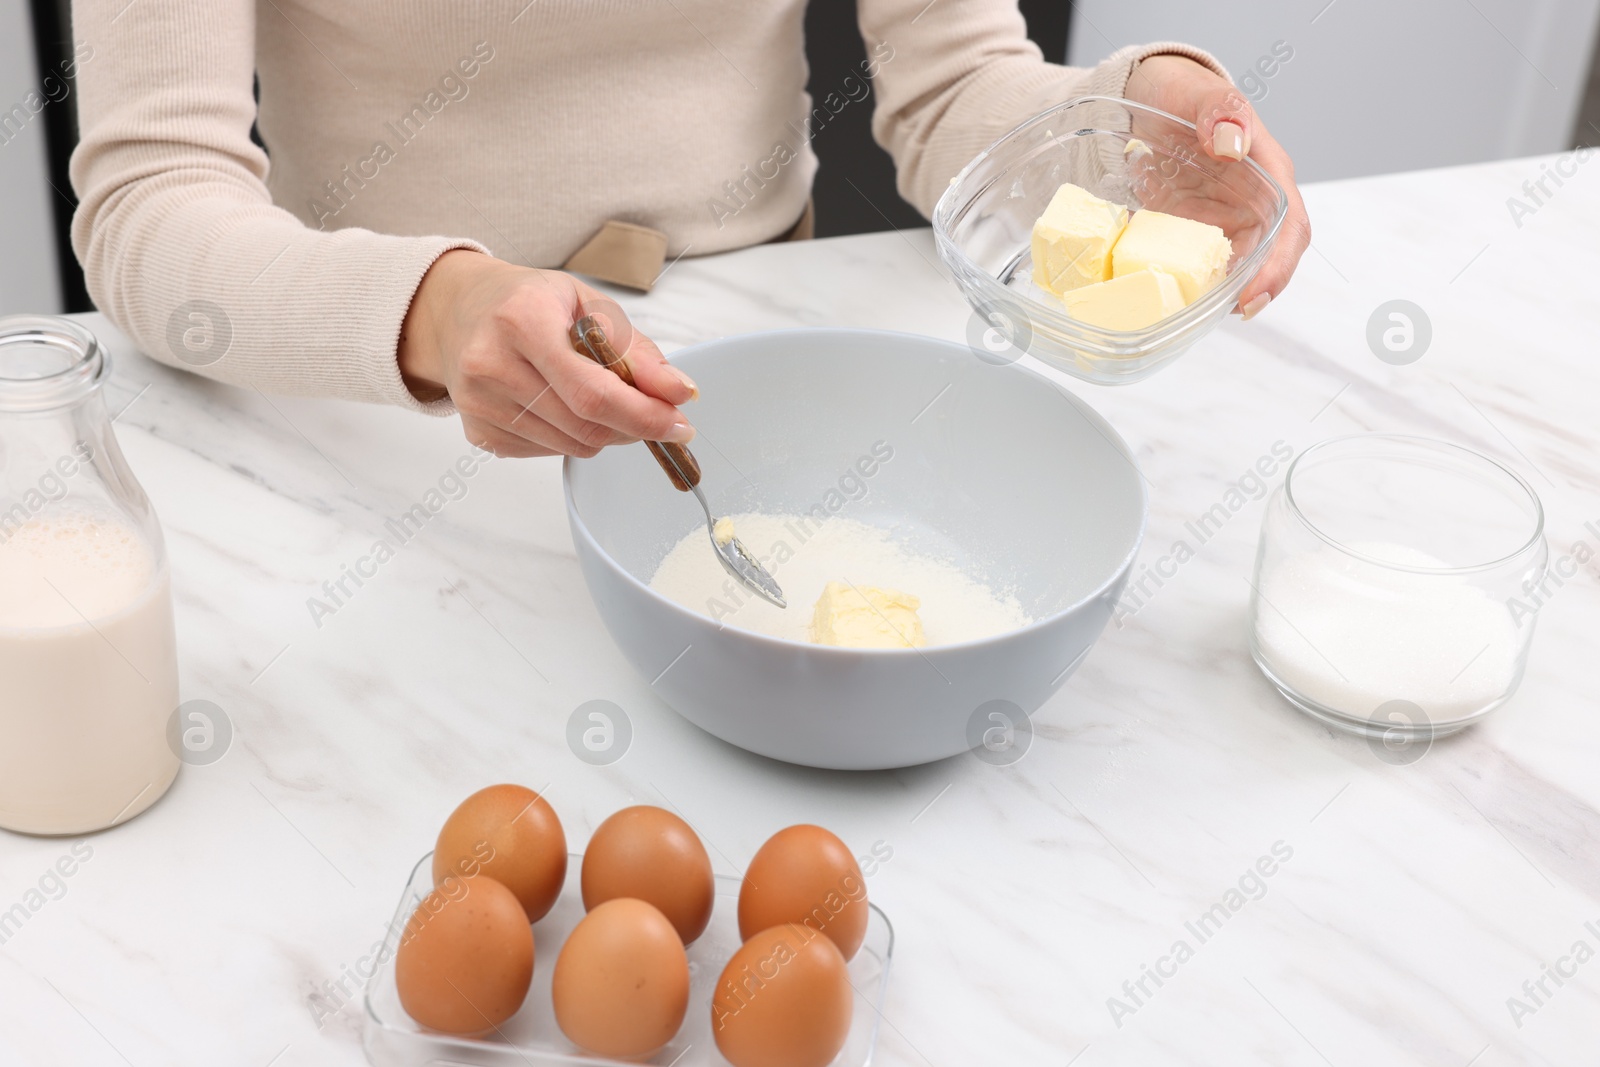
point(589, 339)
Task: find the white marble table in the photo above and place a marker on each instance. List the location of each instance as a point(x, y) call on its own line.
point(216, 928)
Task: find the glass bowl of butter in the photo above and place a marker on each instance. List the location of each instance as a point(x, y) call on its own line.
point(1099, 239)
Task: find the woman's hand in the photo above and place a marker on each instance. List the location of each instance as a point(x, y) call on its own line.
point(1229, 129)
point(493, 337)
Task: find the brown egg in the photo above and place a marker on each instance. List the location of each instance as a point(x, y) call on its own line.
point(804, 874)
point(466, 957)
point(654, 856)
point(621, 983)
point(511, 834)
point(784, 1000)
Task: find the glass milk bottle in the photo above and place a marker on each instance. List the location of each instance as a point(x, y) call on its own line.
point(88, 659)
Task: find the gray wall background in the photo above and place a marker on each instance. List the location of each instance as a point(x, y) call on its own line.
point(1383, 85)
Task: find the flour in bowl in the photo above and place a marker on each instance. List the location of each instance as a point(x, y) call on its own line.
point(804, 554)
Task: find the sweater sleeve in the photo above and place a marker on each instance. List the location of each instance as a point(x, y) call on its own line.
point(180, 241)
point(954, 75)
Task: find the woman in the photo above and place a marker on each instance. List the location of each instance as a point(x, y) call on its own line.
point(431, 163)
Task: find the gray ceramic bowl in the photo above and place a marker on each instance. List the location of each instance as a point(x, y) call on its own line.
point(1035, 492)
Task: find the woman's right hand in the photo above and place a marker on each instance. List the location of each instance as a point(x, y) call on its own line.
point(493, 337)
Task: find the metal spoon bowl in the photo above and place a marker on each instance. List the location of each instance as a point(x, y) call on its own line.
point(738, 560)
point(589, 339)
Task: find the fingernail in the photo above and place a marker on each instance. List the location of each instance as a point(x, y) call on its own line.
point(1227, 140)
point(1255, 307)
point(694, 390)
point(680, 434)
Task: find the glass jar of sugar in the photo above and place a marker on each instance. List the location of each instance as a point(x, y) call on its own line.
point(1391, 582)
point(87, 652)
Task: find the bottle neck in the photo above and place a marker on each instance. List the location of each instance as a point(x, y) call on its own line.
point(48, 365)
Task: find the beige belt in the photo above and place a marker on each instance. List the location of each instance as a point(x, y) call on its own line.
point(628, 254)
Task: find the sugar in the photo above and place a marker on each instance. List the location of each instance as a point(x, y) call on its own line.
point(804, 554)
point(1353, 636)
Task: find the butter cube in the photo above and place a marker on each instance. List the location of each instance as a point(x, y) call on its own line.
point(1072, 240)
point(1129, 302)
point(1194, 253)
point(866, 617)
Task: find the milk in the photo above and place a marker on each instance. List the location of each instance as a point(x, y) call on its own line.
point(88, 673)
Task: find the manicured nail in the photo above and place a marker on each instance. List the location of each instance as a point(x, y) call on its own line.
point(694, 390)
point(1255, 307)
point(1227, 140)
point(680, 434)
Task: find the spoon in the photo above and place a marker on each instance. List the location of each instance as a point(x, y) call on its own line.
point(589, 338)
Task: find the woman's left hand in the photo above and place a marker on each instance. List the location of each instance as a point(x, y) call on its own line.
point(1229, 129)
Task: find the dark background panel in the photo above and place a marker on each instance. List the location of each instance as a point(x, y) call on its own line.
point(854, 190)
point(1588, 124)
point(52, 43)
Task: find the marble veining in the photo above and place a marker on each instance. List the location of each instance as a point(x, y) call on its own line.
point(1410, 904)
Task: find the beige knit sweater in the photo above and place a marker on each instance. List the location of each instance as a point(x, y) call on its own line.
point(400, 130)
